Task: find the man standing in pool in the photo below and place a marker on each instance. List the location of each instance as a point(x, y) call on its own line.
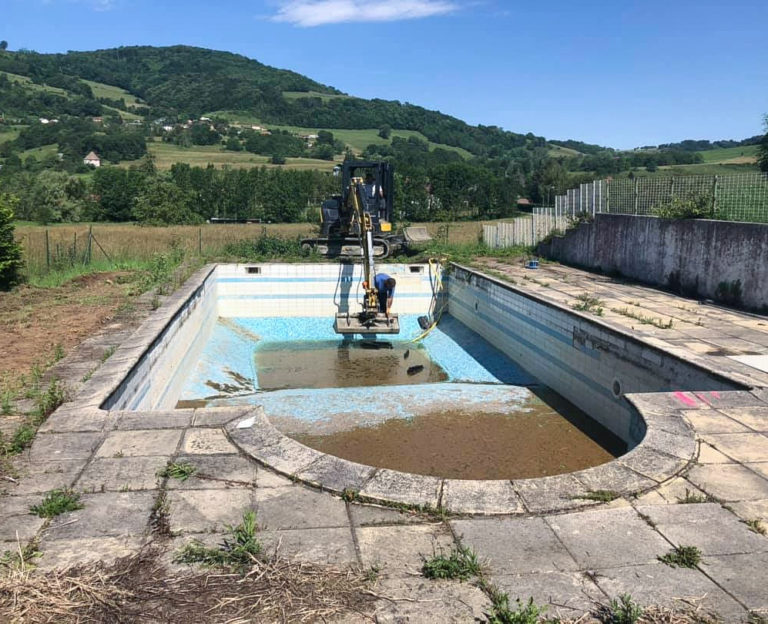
point(385, 285)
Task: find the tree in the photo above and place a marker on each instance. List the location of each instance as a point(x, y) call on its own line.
point(3, 45)
point(385, 131)
point(762, 149)
point(10, 250)
point(161, 202)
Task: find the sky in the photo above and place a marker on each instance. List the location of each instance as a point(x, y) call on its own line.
point(619, 73)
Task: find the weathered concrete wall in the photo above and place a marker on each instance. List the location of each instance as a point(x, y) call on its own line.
point(692, 256)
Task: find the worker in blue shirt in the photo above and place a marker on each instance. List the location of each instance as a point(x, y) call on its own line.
point(385, 285)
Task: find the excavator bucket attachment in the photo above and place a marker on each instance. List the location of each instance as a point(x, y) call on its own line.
point(360, 324)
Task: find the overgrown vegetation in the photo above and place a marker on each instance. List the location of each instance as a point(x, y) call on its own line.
point(644, 320)
point(693, 206)
point(460, 563)
point(502, 612)
point(10, 251)
point(239, 548)
point(621, 610)
point(178, 470)
point(57, 502)
point(756, 526)
point(682, 557)
point(589, 303)
point(693, 498)
point(729, 293)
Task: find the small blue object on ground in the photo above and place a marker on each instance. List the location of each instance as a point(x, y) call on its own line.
point(532, 264)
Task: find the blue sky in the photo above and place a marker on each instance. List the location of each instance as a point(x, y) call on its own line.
point(617, 73)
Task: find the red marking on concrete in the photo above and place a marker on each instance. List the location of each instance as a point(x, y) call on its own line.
point(680, 396)
point(715, 394)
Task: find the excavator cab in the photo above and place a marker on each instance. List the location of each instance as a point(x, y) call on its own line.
point(339, 229)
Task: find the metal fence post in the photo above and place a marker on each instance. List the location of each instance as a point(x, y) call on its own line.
point(637, 197)
point(714, 196)
point(47, 251)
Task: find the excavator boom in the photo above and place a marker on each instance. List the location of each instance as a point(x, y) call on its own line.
point(369, 320)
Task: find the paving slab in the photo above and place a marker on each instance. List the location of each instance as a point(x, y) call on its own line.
point(514, 545)
point(64, 553)
point(266, 478)
point(656, 584)
point(38, 477)
point(110, 474)
point(708, 526)
point(401, 550)
point(481, 497)
point(752, 510)
point(608, 538)
point(16, 520)
point(336, 474)
point(217, 471)
point(745, 577)
point(402, 487)
point(729, 482)
point(713, 421)
point(423, 601)
point(297, 506)
point(112, 514)
point(63, 421)
point(206, 442)
point(760, 468)
point(677, 490)
point(564, 594)
point(616, 477)
point(373, 515)
point(756, 418)
point(218, 416)
point(204, 511)
point(651, 464)
point(322, 546)
point(140, 443)
point(743, 447)
point(555, 493)
point(175, 419)
point(710, 455)
point(64, 446)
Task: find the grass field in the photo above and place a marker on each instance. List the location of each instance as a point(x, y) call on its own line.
point(127, 242)
point(557, 151)
point(358, 140)
point(113, 93)
point(731, 155)
point(167, 154)
point(10, 133)
point(296, 95)
point(40, 152)
point(27, 83)
point(698, 169)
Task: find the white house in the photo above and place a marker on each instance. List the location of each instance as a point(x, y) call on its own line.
point(92, 159)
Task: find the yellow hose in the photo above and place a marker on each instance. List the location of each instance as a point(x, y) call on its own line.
point(439, 315)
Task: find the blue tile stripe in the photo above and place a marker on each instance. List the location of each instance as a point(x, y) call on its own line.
point(331, 296)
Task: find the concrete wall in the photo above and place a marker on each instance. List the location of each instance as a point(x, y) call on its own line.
point(590, 364)
point(693, 256)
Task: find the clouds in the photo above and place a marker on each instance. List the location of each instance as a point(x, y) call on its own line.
point(308, 13)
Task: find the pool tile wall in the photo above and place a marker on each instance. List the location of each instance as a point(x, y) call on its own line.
point(584, 360)
point(255, 291)
point(290, 290)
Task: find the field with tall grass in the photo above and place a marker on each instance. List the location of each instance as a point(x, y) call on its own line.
point(54, 253)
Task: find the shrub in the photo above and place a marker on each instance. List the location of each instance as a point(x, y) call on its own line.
point(695, 206)
point(10, 251)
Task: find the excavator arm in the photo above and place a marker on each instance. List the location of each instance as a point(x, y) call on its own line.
point(369, 320)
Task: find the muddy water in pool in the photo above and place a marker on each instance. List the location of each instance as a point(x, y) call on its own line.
point(551, 437)
point(328, 364)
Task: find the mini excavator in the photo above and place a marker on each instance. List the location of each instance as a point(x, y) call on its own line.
point(363, 215)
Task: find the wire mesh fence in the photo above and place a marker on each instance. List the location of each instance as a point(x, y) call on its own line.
point(738, 197)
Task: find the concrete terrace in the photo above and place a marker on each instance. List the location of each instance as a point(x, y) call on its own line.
point(570, 559)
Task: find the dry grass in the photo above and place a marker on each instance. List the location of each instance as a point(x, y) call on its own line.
point(129, 242)
point(141, 589)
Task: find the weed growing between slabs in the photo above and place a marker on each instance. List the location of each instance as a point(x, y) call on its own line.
point(239, 549)
point(57, 502)
point(178, 470)
point(600, 496)
point(682, 557)
point(461, 563)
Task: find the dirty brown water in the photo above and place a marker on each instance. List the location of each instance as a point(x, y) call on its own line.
point(552, 437)
point(328, 364)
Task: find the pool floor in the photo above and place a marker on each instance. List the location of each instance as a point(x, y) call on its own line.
point(451, 405)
